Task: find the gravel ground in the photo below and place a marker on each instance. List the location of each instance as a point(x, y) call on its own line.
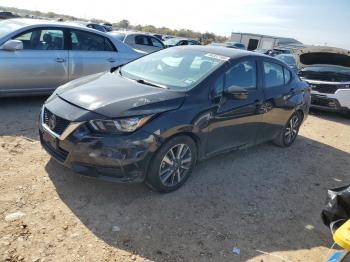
point(263, 198)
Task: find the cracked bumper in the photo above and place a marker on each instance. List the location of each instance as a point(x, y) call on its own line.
point(117, 158)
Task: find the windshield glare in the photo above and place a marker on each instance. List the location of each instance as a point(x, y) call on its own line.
point(8, 26)
point(178, 69)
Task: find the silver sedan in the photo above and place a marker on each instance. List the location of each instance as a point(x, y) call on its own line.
point(37, 56)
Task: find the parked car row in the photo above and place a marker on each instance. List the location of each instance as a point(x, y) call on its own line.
point(235, 45)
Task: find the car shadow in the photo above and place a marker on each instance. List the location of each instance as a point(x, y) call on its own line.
point(265, 198)
point(331, 116)
point(19, 116)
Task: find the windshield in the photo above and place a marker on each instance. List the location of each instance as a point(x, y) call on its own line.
point(174, 68)
point(288, 59)
point(118, 35)
point(8, 26)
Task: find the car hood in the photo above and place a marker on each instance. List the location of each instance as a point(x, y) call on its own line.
point(111, 95)
point(321, 55)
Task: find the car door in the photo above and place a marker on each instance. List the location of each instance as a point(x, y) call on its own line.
point(40, 67)
point(279, 98)
point(90, 53)
point(234, 123)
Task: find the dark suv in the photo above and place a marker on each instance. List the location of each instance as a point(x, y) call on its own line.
point(152, 119)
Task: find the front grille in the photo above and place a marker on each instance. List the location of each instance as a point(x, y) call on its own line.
point(324, 88)
point(58, 153)
point(60, 123)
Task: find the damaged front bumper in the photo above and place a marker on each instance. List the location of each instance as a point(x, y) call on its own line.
point(110, 157)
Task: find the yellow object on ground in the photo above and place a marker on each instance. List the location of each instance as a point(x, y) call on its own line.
point(342, 236)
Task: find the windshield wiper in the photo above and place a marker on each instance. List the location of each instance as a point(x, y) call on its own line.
point(144, 82)
point(115, 68)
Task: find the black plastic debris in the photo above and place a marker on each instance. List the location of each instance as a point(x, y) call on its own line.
point(337, 206)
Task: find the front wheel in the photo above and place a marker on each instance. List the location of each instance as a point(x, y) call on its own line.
point(172, 164)
point(290, 131)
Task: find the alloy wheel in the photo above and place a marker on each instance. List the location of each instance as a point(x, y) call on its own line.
point(175, 164)
point(292, 129)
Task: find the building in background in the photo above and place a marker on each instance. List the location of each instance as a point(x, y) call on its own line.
point(256, 41)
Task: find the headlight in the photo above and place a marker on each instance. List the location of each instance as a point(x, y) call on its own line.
point(123, 125)
point(346, 86)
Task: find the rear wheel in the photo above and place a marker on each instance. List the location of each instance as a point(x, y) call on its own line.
point(290, 131)
point(172, 164)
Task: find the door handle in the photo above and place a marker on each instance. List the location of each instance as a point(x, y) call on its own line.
point(60, 59)
point(111, 60)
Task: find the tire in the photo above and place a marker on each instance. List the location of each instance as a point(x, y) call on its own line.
point(287, 137)
point(172, 164)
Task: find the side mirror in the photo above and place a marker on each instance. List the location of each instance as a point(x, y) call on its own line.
point(236, 92)
point(12, 45)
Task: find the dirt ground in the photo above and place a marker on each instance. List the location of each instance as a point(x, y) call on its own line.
point(264, 198)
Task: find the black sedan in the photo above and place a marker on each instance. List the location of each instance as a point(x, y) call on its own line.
point(153, 119)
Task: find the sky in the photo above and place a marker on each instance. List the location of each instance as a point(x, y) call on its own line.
point(320, 22)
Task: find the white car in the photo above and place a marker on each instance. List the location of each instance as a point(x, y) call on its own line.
point(139, 41)
point(327, 70)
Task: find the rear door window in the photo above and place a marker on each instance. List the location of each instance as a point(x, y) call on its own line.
point(273, 74)
point(86, 41)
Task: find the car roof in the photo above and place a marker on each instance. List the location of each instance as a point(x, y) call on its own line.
point(223, 51)
point(24, 22)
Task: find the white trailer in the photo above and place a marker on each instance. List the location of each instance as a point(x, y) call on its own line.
point(256, 41)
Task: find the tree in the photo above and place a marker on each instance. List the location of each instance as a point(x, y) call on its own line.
point(123, 24)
